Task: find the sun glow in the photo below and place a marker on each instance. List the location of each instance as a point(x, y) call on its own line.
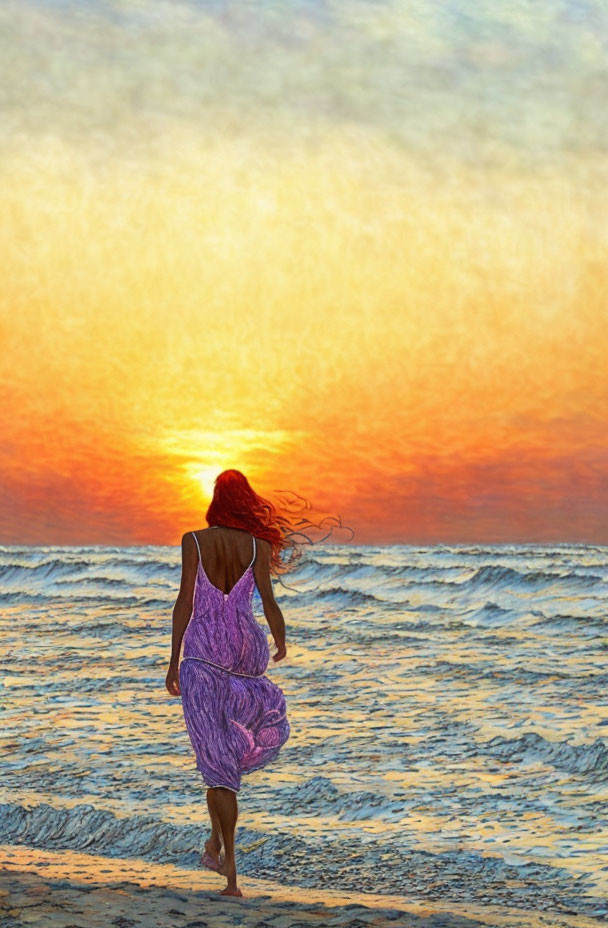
point(363, 287)
point(200, 455)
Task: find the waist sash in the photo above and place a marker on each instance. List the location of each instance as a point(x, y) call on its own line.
point(219, 667)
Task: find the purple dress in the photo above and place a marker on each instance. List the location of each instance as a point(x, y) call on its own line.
point(235, 716)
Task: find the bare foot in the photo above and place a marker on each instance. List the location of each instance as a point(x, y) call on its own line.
point(231, 891)
point(212, 859)
point(229, 871)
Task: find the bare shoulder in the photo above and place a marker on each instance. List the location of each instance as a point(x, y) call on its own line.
point(263, 559)
point(191, 538)
point(264, 545)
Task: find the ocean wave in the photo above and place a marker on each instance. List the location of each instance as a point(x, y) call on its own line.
point(489, 614)
point(587, 760)
point(91, 581)
point(563, 620)
point(372, 865)
point(462, 670)
point(353, 598)
point(45, 570)
point(494, 575)
point(486, 577)
point(120, 602)
point(355, 582)
point(319, 796)
point(134, 570)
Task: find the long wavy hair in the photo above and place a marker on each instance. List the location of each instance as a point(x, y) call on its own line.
point(235, 504)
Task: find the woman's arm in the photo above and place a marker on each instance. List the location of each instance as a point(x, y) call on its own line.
point(182, 611)
point(272, 611)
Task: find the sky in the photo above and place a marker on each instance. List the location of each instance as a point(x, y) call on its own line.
point(355, 249)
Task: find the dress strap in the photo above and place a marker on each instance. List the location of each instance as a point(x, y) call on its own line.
point(253, 558)
point(198, 546)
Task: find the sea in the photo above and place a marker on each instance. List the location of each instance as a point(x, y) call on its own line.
point(448, 708)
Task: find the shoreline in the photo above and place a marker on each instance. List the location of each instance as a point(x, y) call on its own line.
point(65, 889)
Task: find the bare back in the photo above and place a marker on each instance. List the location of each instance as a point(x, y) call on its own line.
point(226, 554)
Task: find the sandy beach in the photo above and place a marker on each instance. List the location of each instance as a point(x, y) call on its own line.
point(74, 890)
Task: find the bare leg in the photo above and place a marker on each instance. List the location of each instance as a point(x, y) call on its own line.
point(213, 844)
point(227, 809)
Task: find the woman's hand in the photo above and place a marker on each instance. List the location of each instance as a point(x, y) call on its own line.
point(172, 681)
point(281, 652)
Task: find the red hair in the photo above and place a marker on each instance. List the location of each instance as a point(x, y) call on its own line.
point(235, 504)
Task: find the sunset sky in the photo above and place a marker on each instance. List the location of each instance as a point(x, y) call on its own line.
point(357, 250)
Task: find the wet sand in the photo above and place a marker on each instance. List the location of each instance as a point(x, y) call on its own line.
point(72, 890)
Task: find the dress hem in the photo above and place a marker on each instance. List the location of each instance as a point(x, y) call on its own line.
point(223, 786)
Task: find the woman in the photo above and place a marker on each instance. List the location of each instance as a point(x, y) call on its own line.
point(235, 716)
